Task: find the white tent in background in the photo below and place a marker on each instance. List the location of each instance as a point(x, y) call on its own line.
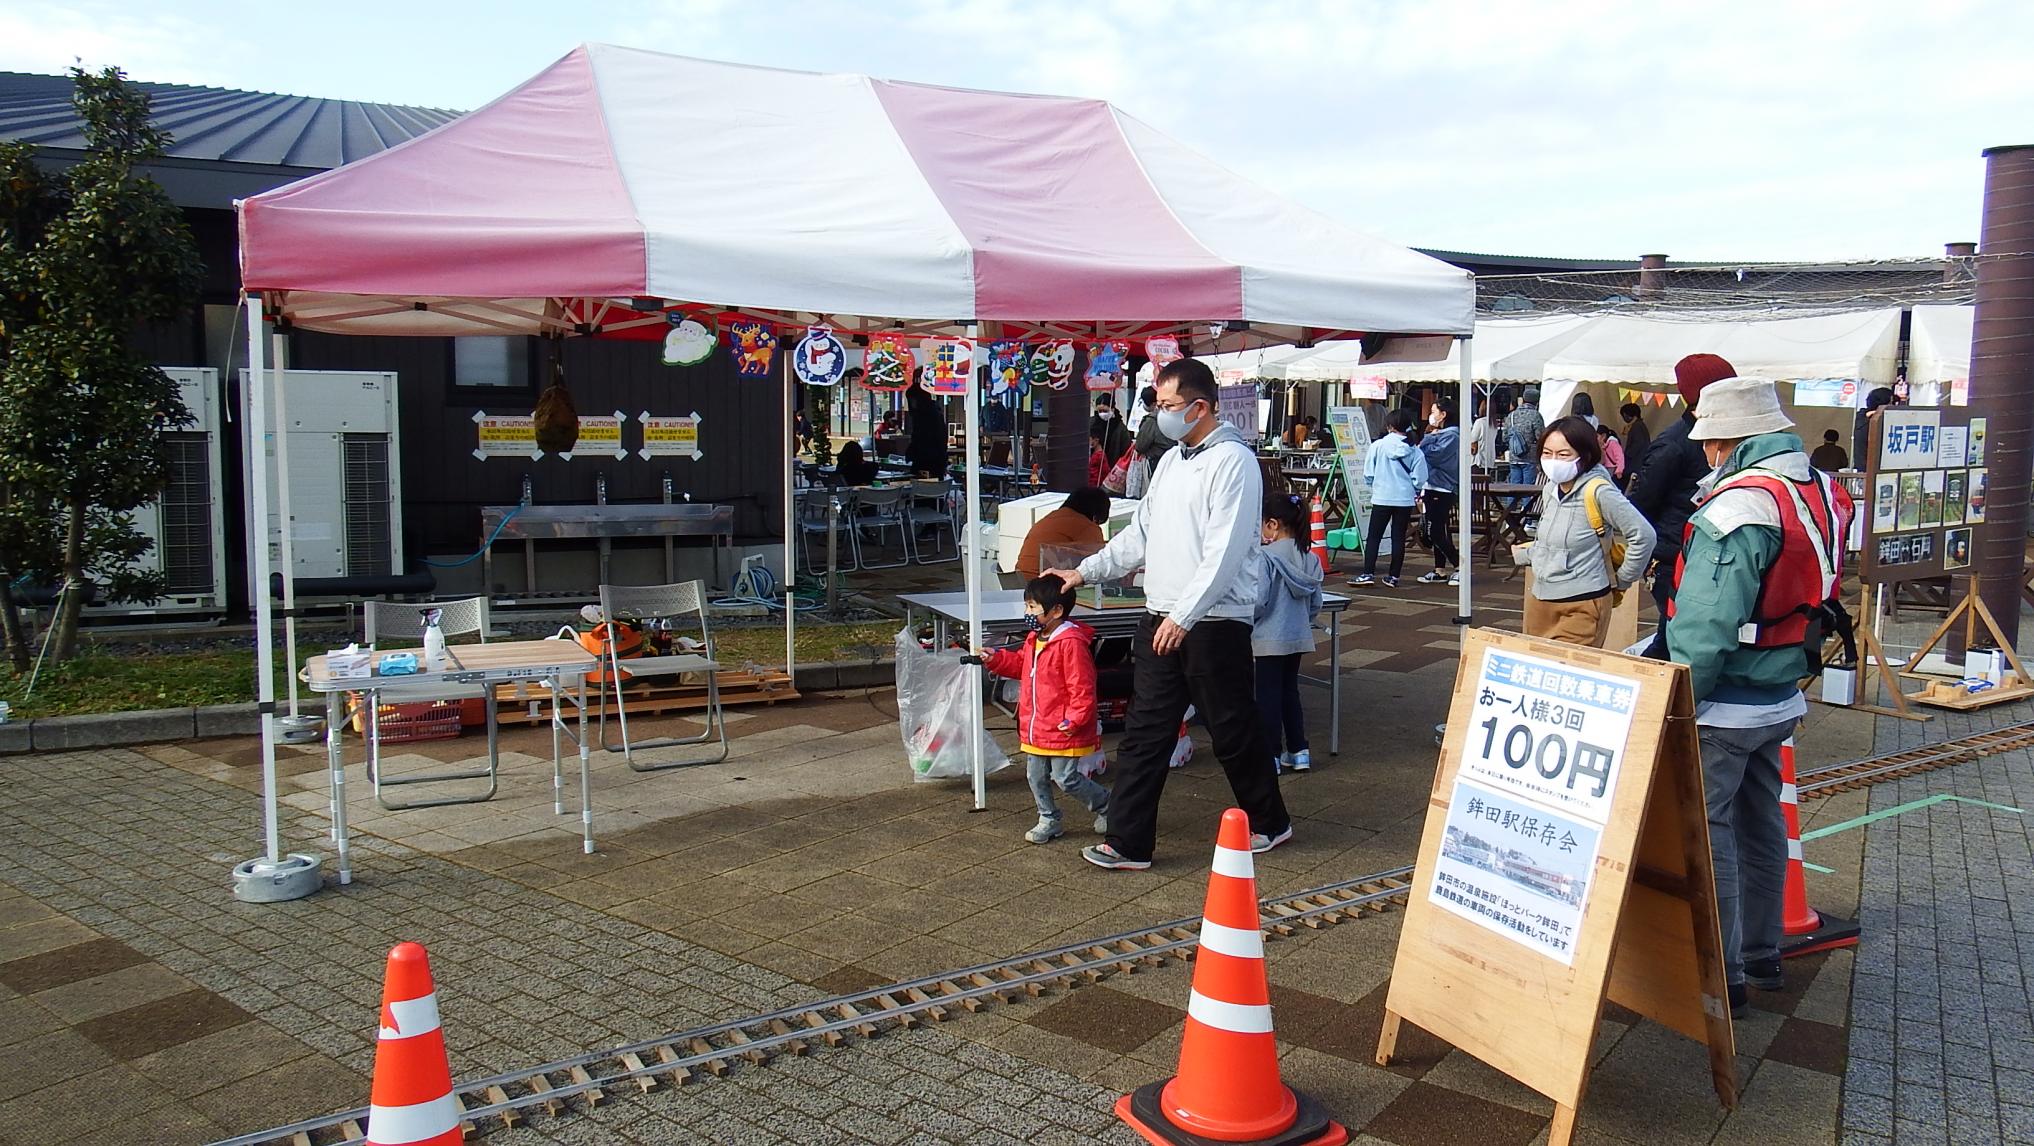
point(1938, 354)
point(1504, 350)
point(1638, 350)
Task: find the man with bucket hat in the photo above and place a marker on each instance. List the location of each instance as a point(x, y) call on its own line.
point(1758, 560)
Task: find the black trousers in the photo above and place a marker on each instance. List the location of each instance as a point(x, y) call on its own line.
point(1396, 518)
point(1439, 506)
point(1212, 668)
point(1278, 703)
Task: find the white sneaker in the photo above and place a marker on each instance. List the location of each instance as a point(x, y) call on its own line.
point(1182, 752)
point(1455, 578)
point(1102, 824)
point(1044, 831)
point(1301, 761)
point(1263, 843)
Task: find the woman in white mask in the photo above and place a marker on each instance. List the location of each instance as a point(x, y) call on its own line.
point(1591, 544)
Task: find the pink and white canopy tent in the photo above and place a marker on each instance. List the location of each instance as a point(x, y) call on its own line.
point(619, 184)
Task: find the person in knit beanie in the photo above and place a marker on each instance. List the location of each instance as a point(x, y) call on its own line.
point(1664, 488)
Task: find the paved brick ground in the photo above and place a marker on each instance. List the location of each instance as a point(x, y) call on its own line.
point(1942, 1036)
point(140, 1000)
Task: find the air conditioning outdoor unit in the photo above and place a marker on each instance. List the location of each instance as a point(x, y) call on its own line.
point(188, 525)
point(345, 480)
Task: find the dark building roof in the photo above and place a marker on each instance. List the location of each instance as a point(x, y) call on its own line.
point(227, 144)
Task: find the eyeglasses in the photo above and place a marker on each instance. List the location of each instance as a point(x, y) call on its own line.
point(1175, 407)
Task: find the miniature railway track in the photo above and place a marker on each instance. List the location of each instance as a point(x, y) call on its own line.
point(588, 1080)
point(1849, 777)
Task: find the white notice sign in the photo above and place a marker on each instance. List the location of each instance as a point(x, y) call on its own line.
point(1237, 405)
point(1953, 447)
point(1516, 869)
point(1532, 796)
point(505, 436)
point(1549, 733)
point(1912, 439)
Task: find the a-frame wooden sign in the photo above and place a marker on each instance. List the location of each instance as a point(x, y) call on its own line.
point(1565, 861)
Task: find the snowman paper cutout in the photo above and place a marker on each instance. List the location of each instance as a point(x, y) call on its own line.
point(689, 343)
point(819, 359)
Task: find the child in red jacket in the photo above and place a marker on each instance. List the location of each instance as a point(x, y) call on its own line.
point(1056, 724)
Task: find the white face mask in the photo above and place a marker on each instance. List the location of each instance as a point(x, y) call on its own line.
point(1104, 413)
point(1560, 471)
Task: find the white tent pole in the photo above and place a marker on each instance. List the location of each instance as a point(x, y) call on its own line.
point(264, 612)
point(972, 572)
point(1465, 416)
point(790, 531)
point(287, 554)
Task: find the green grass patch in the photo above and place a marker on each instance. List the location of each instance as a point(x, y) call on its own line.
point(124, 678)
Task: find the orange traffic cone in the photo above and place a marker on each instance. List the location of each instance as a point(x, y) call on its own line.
point(1227, 1089)
point(1320, 515)
point(412, 1102)
point(1806, 930)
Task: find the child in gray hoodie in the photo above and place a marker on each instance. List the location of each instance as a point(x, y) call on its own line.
point(1283, 627)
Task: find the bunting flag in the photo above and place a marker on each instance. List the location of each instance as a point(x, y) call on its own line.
point(953, 359)
point(754, 346)
point(888, 364)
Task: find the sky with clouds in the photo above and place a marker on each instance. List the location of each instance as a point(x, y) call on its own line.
point(1779, 129)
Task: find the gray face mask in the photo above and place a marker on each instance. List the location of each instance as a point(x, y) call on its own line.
point(1173, 424)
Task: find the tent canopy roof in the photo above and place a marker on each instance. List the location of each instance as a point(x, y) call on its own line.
point(1938, 344)
point(1617, 348)
point(618, 182)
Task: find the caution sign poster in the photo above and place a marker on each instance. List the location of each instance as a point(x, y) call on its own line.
point(670, 436)
point(599, 437)
point(505, 436)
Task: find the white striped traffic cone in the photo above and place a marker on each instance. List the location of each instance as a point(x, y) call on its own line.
point(1320, 534)
point(1227, 1088)
point(1805, 930)
point(412, 1102)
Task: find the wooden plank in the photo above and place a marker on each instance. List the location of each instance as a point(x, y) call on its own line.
point(594, 1096)
point(645, 1080)
point(511, 1117)
point(713, 1066)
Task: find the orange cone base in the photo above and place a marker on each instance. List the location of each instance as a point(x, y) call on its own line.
point(1143, 1112)
point(1829, 934)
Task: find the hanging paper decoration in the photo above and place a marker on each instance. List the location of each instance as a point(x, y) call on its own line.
point(754, 345)
point(953, 360)
point(888, 365)
point(1106, 363)
point(1162, 350)
point(819, 359)
point(1052, 364)
point(689, 343)
point(1007, 377)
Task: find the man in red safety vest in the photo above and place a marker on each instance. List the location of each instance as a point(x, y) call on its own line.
point(1760, 558)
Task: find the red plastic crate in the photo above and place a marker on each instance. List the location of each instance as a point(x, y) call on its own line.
point(405, 723)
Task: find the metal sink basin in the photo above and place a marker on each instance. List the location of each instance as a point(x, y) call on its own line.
point(549, 522)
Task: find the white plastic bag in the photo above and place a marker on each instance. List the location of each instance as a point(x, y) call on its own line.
point(933, 713)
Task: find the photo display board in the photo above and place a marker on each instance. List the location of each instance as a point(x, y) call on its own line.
point(1925, 490)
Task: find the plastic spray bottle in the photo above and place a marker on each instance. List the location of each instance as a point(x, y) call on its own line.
point(435, 657)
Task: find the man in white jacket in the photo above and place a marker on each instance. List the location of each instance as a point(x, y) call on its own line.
point(1195, 535)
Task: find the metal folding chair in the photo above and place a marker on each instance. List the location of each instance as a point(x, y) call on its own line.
point(643, 603)
point(931, 507)
point(814, 521)
point(877, 510)
point(458, 618)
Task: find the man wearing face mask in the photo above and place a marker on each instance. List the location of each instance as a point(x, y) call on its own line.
point(1758, 559)
point(1195, 535)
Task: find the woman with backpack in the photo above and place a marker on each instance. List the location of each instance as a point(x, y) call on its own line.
point(1592, 544)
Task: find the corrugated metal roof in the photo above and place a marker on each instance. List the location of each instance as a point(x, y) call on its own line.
point(221, 125)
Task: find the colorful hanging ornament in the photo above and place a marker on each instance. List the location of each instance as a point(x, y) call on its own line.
point(754, 345)
point(1007, 378)
point(1162, 350)
point(1106, 363)
point(1052, 364)
point(689, 343)
point(819, 359)
point(888, 366)
point(953, 359)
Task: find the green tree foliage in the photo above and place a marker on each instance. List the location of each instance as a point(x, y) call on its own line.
point(88, 255)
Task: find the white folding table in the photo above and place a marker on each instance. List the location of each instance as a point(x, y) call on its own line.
point(556, 663)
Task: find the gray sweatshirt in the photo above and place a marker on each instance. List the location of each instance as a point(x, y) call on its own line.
point(1292, 599)
point(1567, 555)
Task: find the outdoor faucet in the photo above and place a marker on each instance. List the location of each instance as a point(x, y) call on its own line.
point(600, 489)
point(668, 488)
point(528, 490)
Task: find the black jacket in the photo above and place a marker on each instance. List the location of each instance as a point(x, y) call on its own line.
point(1664, 490)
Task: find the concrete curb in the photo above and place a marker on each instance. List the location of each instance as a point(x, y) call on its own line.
point(156, 725)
